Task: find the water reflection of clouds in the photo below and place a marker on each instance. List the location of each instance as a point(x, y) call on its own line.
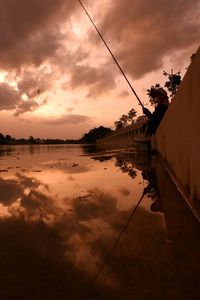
point(124, 191)
point(81, 222)
point(71, 235)
point(35, 204)
point(15, 191)
point(10, 191)
point(95, 219)
point(89, 217)
point(95, 205)
point(28, 182)
point(71, 178)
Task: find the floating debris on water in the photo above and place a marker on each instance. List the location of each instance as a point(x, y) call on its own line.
point(74, 165)
point(83, 198)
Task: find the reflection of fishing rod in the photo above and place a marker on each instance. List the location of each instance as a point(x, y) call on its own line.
point(112, 55)
point(117, 240)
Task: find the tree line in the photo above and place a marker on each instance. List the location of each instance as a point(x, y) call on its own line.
point(8, 140)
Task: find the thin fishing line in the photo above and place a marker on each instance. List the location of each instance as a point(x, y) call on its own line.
point(111, 54)
point(117, 240)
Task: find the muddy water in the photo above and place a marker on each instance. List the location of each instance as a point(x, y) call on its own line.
point(71, 227)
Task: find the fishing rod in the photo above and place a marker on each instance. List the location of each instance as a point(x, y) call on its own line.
point(99, 33)
point(117, 240)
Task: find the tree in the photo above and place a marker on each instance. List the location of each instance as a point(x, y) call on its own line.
point(173, 83)
point(96, 133)
point(131, 115)
point(118, 125)
point(126, 120)
point(31, 140)
point(8, 137)
point(2, 138)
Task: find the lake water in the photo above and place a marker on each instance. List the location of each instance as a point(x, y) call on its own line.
point(71, 226)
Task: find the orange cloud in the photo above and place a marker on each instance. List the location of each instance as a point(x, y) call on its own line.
point(70, 119)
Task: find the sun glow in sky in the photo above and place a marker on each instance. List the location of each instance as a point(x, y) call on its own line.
point(57, 79)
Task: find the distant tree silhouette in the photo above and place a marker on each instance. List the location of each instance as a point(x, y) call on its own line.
point(131, 115)
point(126, 120)
point(31, 140)
point(96, 133)
point(2, 138)
point(8, 137)
point(118, 125)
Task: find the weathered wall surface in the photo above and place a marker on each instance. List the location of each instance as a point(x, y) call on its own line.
point(178, 137)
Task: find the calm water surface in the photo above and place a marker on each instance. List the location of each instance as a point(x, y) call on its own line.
point(62, 209)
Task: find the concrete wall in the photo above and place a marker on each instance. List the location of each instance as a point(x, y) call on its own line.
point(178, 136)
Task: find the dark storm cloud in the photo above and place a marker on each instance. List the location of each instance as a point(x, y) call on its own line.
point(146, 31)
point(140, 32)
point(29, 30)
point(30, 35)
point(26, 106)
point(33, 83)
point(123, 94)
point(96, 79)
point(67, 120)
point(9, 97)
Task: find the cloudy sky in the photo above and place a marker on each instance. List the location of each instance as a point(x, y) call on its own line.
point(57, 79)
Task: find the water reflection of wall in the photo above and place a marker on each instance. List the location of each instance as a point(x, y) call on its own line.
point(131, 163)
point(184, 236)
point(182, 228)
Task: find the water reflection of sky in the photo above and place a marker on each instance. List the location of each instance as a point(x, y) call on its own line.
point(64, 172)
point(60, 195)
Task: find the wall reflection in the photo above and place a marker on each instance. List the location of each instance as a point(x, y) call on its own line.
point(134, 163)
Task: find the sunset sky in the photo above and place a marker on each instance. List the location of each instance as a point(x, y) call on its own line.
point(57, 79)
